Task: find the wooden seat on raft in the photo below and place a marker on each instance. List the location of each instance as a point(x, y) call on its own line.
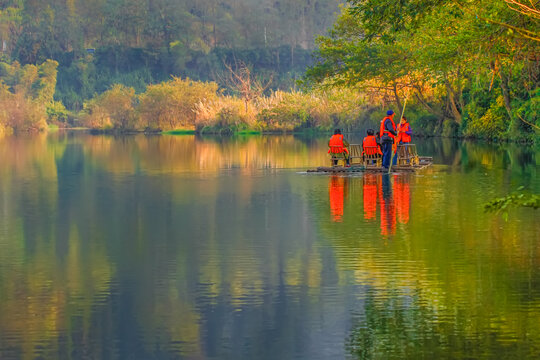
point(355, 154)
point(407, 155)
point(336, 154)
point(372, 157)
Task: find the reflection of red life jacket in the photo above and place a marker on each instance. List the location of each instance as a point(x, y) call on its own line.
point(370, 196)
point(383, 130)
point(402, 136)
point(403, 199)
point(370, 142)
point(336, 144)
point(336, 189)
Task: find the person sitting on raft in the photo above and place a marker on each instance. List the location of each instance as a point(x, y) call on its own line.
point(370, 145)
point(338, 145)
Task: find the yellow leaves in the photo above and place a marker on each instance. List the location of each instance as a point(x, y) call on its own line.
point(112, 109)
point(23, 108)
point(171, 104)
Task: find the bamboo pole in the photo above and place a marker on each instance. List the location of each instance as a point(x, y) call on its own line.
point(401, 117)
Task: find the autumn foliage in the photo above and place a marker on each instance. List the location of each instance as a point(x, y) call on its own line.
point(25, 93)
point(200, 106)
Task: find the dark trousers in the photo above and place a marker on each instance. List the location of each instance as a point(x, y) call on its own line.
point(386, 153)
point(394, 159)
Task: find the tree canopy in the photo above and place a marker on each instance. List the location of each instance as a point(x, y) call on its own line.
point(463, 61)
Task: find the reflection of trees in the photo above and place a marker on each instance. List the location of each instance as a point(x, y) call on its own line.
point(182, 154)
point(101, 236)
point(49, 271)
point(468, 156)
point(461, 265)
point(96, 240)
point(403, 326)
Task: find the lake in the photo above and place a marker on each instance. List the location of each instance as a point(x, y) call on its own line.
point(185, 247)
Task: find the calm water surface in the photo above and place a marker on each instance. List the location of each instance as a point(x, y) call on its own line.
point(183, 247)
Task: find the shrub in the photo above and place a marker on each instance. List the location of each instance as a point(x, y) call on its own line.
point(112, 109)
point(225, 111)
point(173, 103)
point(20, 113)
point(297, 110)
point(24, 93)
point(57, 113)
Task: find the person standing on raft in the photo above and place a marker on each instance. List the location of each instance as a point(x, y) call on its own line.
point(338, 145)
point(388, 134)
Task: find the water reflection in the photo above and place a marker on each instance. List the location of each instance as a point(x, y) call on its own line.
point(338, 189)
point(406, 327)
point(392, 193)
point(211, 248)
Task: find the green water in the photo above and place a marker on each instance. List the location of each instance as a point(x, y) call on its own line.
point(181, 247)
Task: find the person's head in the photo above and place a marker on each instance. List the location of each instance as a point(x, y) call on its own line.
point(390, 113)
point(370, 132)
point(378, 134)
point(337, 132)
point(403, 120)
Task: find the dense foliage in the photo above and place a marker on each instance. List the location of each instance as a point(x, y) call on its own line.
point(468, 67)
point(25, 94)
point(98, 43)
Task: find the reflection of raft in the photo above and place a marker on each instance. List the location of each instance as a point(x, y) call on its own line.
point(408, 160)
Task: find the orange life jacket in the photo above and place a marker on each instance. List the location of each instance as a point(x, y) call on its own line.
point(336, 144)
point(402, 136)
point(370, 142)
point(383, 130)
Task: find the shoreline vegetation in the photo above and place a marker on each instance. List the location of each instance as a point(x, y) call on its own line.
point(184, 106)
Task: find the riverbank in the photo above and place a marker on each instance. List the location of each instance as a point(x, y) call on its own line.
point(181, 106)
point(357, 135)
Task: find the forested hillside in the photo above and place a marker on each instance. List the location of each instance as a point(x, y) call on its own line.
point(136, 42)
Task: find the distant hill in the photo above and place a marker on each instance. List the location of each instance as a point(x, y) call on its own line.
point(136, 42)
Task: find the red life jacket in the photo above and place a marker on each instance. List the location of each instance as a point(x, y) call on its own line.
point(370, 142)
point(402, 136)
point(383, 129)
point(336, 144)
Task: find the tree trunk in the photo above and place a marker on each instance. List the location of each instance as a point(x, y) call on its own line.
point(425, 104)
point(506, 93)
point(452, 102)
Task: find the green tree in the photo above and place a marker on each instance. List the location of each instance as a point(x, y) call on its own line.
point(448, 54)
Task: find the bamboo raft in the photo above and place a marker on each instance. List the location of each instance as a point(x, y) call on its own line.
point(371, 161)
